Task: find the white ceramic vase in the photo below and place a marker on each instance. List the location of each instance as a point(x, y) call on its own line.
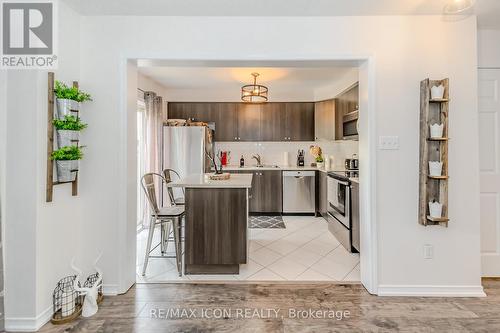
point(435, 168)
point(437, 92)
point(435, 209)
point(436, 130)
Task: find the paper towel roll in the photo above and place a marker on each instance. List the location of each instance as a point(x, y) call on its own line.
point(285, 158)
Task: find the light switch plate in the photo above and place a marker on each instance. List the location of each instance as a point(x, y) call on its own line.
point(388, 142)
point(428, 251)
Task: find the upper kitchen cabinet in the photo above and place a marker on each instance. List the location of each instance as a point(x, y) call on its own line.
point(272, 125)
point(249, 122)
point(345, 104)
point(194, 111)
point(299, 121)
point(226, 121)
point(324, 120)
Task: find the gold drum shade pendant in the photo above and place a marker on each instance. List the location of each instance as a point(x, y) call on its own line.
point(254, 93)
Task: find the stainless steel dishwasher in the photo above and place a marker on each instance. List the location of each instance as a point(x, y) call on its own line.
point(299, 191)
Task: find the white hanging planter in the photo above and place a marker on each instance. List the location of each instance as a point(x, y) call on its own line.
point(435, 168)
point(437, 130)
point(67, 138)
point(65, 170)
point(435, 209)
point(65, 106)
point(437, 92)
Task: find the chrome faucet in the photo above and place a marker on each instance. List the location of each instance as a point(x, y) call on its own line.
point(257, 158)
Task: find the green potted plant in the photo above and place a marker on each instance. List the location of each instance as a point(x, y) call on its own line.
point(67, 161)
point(68, 130)
point(68, 98)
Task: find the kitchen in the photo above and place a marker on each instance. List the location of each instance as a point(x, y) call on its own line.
point(296, 144)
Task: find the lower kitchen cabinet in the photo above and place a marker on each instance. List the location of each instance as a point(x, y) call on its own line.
point(322, 194)
point(266, 194)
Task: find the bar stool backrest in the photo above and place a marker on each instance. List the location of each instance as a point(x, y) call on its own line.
point(168, 175)
point(148, 185)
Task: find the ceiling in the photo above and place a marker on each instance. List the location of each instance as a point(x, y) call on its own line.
point(232, 78)
point(488, 11)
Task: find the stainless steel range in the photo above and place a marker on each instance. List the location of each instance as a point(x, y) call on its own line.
point(339, 206)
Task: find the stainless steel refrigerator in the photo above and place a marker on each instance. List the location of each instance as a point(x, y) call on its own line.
point(184, 148)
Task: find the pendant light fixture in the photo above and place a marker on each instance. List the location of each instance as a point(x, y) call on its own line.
point(458, 6)
point(254, 93)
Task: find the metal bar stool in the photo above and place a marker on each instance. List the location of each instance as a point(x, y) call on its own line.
point(163, 216)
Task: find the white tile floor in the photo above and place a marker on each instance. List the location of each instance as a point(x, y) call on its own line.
point(304, 251)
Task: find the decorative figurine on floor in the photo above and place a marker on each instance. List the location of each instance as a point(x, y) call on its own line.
point(91, 293)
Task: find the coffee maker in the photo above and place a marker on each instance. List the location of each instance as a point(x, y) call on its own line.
point(300, 158)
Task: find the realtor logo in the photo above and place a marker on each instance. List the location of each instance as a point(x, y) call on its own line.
point(28, 35)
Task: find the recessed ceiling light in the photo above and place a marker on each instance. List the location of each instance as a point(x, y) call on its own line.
point(458, 6)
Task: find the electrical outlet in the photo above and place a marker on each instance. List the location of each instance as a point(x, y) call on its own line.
point(428, 251)
point(388, 142)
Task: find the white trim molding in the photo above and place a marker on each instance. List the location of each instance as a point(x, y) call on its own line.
point(431, 291)
point(28, 324)
point(34, 324)
point(110, 289)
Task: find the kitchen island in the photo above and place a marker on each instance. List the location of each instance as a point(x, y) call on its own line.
point(216, 223)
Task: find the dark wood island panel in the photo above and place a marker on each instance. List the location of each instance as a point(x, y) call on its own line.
point(216, 230)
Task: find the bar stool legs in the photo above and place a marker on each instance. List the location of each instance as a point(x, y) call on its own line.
point(177, 239)
point(165, 230)
point(148, 246)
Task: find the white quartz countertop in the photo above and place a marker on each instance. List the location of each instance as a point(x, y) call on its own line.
point(277, 167)
point(230, 168)
point(203, 181)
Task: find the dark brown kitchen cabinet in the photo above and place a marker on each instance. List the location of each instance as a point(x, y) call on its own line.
point(226, 121)
point(299, 121)
point(273, 120)
point(266, 193)
point(249, 122)
point(269, 196)
point(194, 111)
point(346, 102)
point(322, 195)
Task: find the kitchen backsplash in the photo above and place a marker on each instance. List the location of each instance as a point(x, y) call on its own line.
point(274, 152)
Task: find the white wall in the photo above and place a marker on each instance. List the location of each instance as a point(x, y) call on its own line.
point(338, 86)
point(403, 55)
point(40, 238)
point(489, 48)
point(148, 84)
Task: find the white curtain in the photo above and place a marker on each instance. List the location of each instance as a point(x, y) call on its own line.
point(151, 145)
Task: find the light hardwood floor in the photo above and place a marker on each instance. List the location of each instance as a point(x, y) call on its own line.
point(132, 312)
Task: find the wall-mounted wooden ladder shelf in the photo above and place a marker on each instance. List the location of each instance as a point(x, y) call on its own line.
point(433, 188)
point(50, 143)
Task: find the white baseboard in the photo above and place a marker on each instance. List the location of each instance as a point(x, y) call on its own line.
point(431, 291)
point(110, 289)
point(28, 324)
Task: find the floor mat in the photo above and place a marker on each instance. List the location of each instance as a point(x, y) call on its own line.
point(267, 222)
